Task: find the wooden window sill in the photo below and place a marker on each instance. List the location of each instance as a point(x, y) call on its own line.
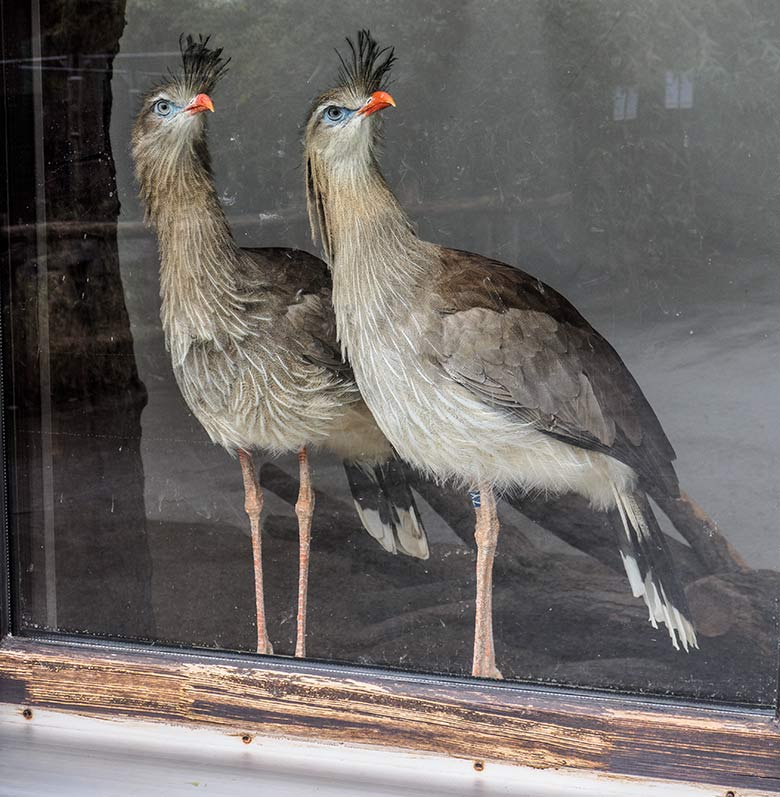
point(477, 721)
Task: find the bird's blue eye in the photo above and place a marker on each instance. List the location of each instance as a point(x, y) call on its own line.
point(163, 108)
point(333, 114)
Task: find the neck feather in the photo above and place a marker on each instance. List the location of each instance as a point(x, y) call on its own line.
point(198, 257)
point(377, 260)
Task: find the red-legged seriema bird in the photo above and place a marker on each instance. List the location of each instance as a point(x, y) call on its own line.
point(479, 373)
point(252, 335)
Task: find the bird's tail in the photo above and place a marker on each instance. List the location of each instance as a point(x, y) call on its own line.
point(650, 570)
point(386, 506)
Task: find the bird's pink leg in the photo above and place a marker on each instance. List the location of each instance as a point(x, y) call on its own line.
point(486, 535)
point(253, 503)
point(304, 509)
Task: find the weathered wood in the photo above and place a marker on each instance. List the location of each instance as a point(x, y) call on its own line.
point(730, 748)
point(703, 535)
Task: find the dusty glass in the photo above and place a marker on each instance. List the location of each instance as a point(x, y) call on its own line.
point(625, 153)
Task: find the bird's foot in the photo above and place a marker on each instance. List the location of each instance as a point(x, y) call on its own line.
point(487, 672)
point(265, 648)
point(485, 667)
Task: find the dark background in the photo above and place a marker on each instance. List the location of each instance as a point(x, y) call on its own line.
point(511, 139)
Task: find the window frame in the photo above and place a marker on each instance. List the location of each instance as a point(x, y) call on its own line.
point(522, 724)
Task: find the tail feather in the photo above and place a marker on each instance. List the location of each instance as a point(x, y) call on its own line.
point(650, 570)
point(386, 507)
point(411, 538)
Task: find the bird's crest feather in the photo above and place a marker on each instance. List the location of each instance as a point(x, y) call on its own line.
point(202, 67)
point(367, 66)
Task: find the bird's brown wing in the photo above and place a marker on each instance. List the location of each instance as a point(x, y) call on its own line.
point(519, 345)
point(295, 287)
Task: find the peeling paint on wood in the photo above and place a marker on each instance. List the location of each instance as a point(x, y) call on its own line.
point(470, 720)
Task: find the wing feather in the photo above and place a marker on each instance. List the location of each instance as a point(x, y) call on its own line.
point(295, 287)
point(518, 344)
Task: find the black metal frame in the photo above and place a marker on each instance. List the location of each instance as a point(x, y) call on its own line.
point(19, 212)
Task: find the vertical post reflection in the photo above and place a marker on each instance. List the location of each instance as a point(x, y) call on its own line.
point(47, 474)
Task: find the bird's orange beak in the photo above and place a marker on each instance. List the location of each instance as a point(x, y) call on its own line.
point(376, 102)
point(201, 103)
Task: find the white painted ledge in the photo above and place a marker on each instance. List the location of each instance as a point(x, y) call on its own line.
point(71, 756)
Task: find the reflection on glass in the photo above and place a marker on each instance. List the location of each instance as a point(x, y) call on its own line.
point(679, 90)
point(542, 136)
point(626, 103)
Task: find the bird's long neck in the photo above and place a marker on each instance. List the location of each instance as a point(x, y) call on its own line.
point(378, 262)
point(198, 256)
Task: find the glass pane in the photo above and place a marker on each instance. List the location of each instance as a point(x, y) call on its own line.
point(624, 153)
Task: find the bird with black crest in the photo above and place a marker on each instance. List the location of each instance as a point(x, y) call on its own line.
point(251, 333)
point(478, 373)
